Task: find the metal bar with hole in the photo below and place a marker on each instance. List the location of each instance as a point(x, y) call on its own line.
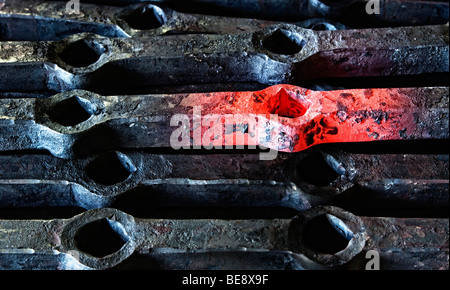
point(135, 181)
point(105, 238)
point(49, 21)
point(273, 55)
point(351, 12)
point(283, 118)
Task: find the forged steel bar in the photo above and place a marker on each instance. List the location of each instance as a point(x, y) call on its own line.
point(104, 238)
point(350, 12)
point(136, 181)
point(276, 54)
point(42, 21)
point(283, 118)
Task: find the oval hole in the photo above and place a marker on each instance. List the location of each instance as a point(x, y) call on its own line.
point(82, 53)
point(324, 235)
point(284, 42)
point(319, 170)
point(147, 17)
point(110, 168)
point(71, 111)
point(101, 238)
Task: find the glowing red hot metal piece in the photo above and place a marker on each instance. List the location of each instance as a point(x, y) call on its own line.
point(306, 118)
point(283, 117)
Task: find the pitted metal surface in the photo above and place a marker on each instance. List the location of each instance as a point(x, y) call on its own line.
point(129, 134)
point(175, 237)
point(276, 54)
point(350, 12)
point(152, 181)
point(283, 118)
point(22, 20)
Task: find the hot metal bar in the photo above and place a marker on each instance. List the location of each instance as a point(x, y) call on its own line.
point(104, 238)
point(42, 21)
point(136, 181)
point(351, 12)
point(276, 54)
point(283, 118)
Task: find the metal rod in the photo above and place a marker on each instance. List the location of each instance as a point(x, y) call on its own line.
point(276, 54)
point(122, 236)
point(283, 118)
point(49, 21)
point(133, 181)
point(358, 13)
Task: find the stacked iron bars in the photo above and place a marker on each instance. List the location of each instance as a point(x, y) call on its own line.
point(87, 180)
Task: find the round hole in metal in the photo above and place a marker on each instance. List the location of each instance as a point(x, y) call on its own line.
point(110, 168)
point(146, 17)
point(101, 237)
point(319, 169)
point(71, 111)
point(284, 42)
point(324, 234)
point(82, 53)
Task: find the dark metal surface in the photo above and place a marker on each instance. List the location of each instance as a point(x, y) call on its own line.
point(350, 12)
point(40, 21)
point(273, 55)
point(136, 182)
point(90, 178)
point(72, 242)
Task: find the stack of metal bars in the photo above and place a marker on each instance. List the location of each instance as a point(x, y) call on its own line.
point(261, 135)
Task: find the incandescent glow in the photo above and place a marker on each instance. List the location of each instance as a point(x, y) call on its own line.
point(289, 118)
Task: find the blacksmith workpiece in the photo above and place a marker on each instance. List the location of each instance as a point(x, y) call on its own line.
point(107, 238)
point(283, 118)
point(280, 54)
point(357, 13)
point(136, 182)
point(40, 21)
point(132, 134)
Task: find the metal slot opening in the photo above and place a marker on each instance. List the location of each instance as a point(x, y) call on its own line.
point(284, 42)
point(101, 238)
point(82, 53)
point(325, 235)
point(319, 170)
point(147, 17)
point(71, 111)
point(110, 168)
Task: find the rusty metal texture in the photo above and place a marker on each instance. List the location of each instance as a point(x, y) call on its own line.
point(135, 181)
point(350, 12)
point(283, 118)
point(274, 55)
point(40, 21)
point(105, 238)
point(132, 134)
